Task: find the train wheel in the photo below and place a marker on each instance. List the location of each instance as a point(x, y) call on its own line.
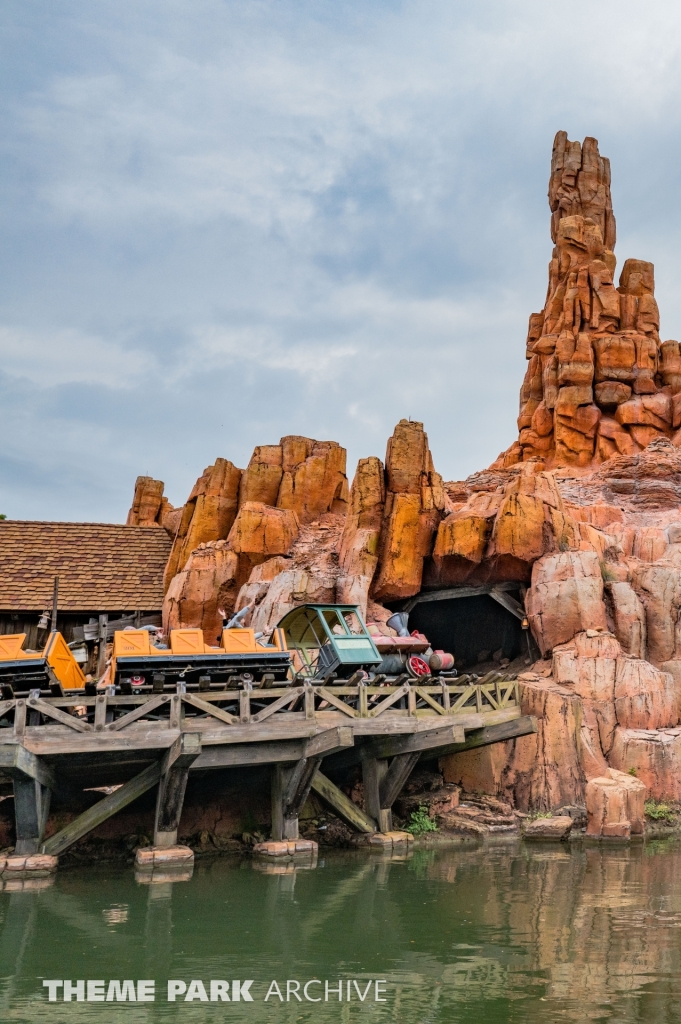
point(417, 666)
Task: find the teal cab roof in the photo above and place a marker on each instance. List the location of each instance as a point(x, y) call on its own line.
point(313, 625)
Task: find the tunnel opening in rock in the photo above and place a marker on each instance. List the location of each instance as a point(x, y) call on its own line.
point(476, 630)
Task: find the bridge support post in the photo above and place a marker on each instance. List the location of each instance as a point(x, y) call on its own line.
point(171, 790)
point(32, 782)
point(290, 789)
point(374, 771)
point(383, 783)
point(31, 808)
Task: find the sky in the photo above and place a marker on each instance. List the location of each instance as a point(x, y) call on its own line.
point(223, 222)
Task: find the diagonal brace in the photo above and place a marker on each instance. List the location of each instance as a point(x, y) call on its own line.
point(104, 809)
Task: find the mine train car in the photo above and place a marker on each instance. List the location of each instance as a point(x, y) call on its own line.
point(54, 669)
point(321, 643)
point(137, 664)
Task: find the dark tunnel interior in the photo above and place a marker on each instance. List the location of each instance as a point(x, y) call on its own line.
point(473, 629)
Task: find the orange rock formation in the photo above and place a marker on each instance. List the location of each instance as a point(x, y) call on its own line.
point(583, 512)
point(599, 382)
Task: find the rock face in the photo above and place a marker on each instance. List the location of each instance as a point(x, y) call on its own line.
point(415, 503)
point(599, 383)
point(589, 701)
point(259, 533)
point(505, 524)
point(207, 515)
point(207, 582)
point(149, 506)
point(313, 478)
point(615, 806)
point(655, 755)
point(358, 556)
point(566, 596)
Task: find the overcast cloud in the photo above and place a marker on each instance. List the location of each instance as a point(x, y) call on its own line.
point(228, 221)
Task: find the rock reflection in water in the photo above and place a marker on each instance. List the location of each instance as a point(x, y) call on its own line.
point(498, 933)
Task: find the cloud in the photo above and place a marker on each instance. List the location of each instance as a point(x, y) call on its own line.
point(229, 221)
point(70, 357)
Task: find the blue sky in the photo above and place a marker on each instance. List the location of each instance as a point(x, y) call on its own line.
point(223, 222)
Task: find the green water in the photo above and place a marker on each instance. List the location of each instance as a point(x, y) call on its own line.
point(498, 933)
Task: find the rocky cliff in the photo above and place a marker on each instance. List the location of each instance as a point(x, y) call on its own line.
point(599, 382)
point(583, 512)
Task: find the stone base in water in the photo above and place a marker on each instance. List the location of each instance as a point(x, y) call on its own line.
point(155, 864)
point(169, 856)
point(286, 848)
point(36, 865)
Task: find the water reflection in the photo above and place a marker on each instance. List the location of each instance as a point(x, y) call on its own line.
point(499, 933)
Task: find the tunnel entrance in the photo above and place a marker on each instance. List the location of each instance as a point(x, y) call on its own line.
point(476, 628)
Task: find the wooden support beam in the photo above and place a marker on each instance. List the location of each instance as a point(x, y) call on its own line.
point(508, 602)
point(299, 784)
point(101, 654)
point(394, 781)
point(453, 592)
point(15, 759)
point(374, 771)
point(31, 807)
point(329, 741)
point(342, 805)
point(290, 789)
point(32, 782)
point(291, 785)
point(103, 810)
point(150, 705)
point(326, 742)
point(208, 709)
point(405, 743)
point(524, 726)
point(172, 786)
point(409, 743)
point(36, 704)
point(278, 781)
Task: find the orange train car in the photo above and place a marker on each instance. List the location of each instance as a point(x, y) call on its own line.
point(49, 669)
point(137, 663)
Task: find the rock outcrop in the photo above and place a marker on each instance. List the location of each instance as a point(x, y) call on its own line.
point(415, 503)
point(358, 556)
point(207, 515)
point(259, 533)
point(207, 582)
point(313, 478)
point(615, 806)
point(599, 382)
point(506, 522)
point(149, 505)
point(566, 597)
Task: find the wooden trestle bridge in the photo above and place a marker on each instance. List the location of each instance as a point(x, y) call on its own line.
point(140, 741)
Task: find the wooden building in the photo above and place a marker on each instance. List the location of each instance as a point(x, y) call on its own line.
point(107, 572)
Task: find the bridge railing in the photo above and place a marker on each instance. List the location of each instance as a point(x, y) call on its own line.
point(111, 713)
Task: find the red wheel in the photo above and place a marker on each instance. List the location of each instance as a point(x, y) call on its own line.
point(417, 666)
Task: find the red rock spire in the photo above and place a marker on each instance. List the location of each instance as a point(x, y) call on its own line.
point(599, 382)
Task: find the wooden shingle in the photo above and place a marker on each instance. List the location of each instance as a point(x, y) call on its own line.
point(101, 566)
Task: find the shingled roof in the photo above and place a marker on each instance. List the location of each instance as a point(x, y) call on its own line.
point(101, 566)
